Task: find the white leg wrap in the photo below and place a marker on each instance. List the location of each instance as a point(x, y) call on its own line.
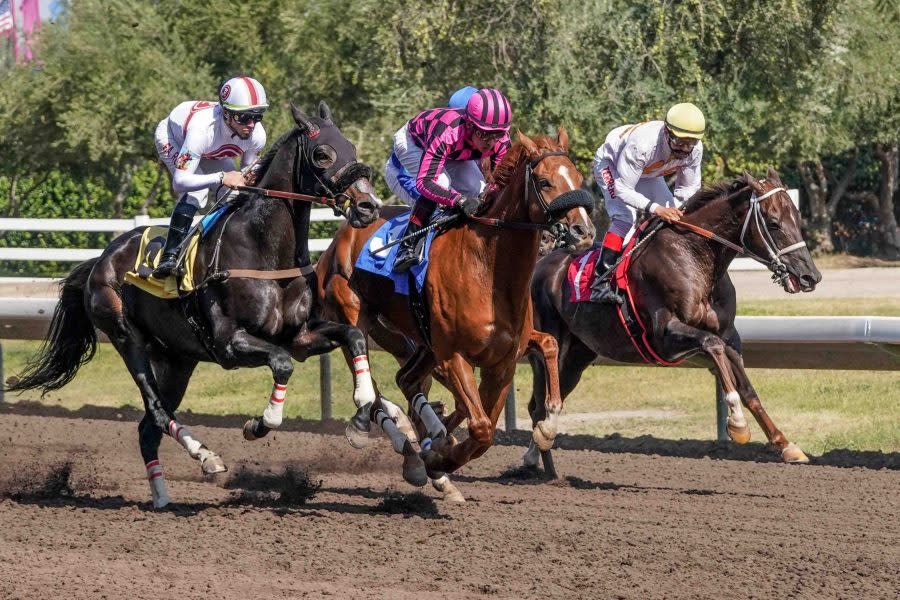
point(184, 437)
point(390, 429)
point(733, 399)
point(363, 390)
point(275, 409)
point(157, 484)
point(429, 419)
point(399, 417)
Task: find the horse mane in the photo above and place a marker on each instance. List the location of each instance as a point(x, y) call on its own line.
point(266, 161)
point(710, 192)
point(504, 171)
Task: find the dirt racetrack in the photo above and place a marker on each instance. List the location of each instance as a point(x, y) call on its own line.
point(641, 518)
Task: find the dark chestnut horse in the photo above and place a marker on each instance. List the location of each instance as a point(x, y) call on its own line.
point(477, 301)
point(684, 296)
point(235, 318)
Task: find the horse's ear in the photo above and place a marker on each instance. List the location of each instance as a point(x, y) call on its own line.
point(325, 112)
point(750, 180)
point(526, 141)
point(562, 137)
point(301, 119)
point(772, 176)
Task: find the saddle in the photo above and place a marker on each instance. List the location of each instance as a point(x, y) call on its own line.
point(149, 253)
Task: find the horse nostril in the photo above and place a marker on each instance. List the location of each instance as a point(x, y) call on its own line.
point(366, 206)
point(808, 280)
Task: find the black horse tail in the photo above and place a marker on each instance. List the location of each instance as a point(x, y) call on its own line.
point(70, 343)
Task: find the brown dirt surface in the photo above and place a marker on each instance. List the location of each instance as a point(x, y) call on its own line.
point(303, 515)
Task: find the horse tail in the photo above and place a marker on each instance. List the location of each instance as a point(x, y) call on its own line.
point(71, 340)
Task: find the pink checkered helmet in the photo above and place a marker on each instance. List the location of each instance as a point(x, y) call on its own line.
point(488, 109)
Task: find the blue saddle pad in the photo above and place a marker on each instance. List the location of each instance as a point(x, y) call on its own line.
point(207, 223)
point(382, 263)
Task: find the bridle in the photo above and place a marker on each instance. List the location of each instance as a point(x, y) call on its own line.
point(564, 201)
point(755, 217)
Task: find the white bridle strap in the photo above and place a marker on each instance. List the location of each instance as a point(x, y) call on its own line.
point(792, 247)
point(755, 214)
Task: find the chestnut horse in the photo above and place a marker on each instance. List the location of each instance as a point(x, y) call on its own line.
point(476, 294)
point(682, 292)
point(250, 309)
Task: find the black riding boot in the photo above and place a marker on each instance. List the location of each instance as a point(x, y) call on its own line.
point(601, 290)
point(411, 250)
point(182, 218)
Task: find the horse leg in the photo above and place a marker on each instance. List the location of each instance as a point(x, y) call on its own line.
point(790, 452)
point(574, 358)
point(681, 337)
point(172, 378)
point(412, 379)
point(324, 336)
point(545, 430)
point(448, 457)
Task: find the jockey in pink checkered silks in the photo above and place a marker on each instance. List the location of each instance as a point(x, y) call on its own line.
point(443, 147)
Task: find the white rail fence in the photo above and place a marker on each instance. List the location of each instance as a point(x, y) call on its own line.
point(840, 343)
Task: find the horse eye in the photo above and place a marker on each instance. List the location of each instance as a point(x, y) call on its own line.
point(545, 184)
point(324, 156)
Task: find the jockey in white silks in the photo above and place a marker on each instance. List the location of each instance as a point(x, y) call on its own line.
point(630, 168)
point(198, 142)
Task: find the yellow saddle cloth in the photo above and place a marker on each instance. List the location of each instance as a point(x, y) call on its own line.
point(152, 242)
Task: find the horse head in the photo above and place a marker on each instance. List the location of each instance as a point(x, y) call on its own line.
point(328, 167)
point(553, 192)
point(771, 230)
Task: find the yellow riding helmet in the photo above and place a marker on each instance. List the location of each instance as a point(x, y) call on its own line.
point(686, 120)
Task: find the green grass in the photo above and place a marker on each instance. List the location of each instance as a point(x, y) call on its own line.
point(820, 410)
point(810, 305)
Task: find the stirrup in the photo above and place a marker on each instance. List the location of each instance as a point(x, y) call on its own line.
point(604, 294)
point(407, 258)
point(168, 266)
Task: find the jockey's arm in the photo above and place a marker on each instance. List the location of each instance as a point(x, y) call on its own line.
point(629, 167)
point(431, 173)
point(185, 178)
point(688, 180)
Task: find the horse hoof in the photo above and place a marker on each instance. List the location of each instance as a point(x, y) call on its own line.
point(455, 496)
point(358, 439)
point(740, 435)
point(531, 457)
point(544, 435)
point(252, 430)
point(792, 454)
point(213, 464)
point(161, 502)
point(414, 470)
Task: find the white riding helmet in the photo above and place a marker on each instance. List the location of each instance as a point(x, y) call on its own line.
point(242, 94)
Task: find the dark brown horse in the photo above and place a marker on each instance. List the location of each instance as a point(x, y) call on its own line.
point(235, 318)
point(684, 296)
point(477, 301)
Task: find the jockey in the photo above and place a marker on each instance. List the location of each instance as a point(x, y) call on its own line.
point(630, 167)
point(443, 147)
point(458, 99)
point(198, 142)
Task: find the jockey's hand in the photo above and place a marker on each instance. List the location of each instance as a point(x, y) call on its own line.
point(233, 179)
point(668, 214)
point(467, 206)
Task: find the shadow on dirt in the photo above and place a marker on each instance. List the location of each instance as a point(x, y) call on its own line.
point(613, 443)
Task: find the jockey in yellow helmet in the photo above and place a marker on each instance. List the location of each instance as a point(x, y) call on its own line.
point(630, 168)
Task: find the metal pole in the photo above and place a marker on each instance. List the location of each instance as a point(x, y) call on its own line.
point(721, 413)
point(325, 385)
point(510, 408)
